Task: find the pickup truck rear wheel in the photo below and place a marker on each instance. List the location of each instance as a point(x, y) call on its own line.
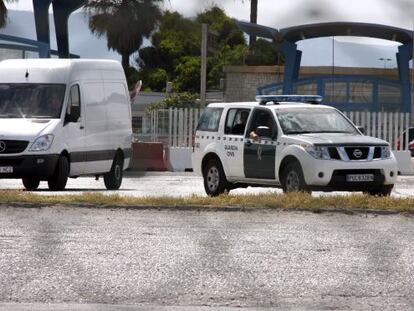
point(113, 179)
point(215, 182)
point(30, 183)
point(293, 180)
point(60, 177)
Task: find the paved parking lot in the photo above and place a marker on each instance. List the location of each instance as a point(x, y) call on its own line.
point(173, 259)
point(140, 184)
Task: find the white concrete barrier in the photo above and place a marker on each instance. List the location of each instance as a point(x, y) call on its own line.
point(179, 159)
point(405, 166)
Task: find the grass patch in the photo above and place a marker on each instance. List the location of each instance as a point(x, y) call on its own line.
point(295, 201)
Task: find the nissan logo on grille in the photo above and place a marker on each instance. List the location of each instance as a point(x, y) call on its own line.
point(2, 146)
point(357, 153)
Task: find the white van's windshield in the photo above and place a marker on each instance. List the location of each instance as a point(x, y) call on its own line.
point(30, 100)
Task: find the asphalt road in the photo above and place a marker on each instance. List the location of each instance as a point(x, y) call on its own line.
point(140, 184)
point(175, 260)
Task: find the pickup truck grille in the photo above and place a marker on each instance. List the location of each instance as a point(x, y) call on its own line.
point(355, 153)
point(12, 146)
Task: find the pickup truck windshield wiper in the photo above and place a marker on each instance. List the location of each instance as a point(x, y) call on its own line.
point(298, 132)
point(332, 132)
point(313, 132)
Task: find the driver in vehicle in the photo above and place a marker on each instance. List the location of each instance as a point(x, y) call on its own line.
point(264, 121)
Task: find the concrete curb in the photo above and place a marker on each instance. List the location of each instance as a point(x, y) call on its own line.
point(209, 208)
point(119, 307)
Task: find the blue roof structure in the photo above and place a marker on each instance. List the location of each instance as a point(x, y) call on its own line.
point(61, 12)
point(286, 39)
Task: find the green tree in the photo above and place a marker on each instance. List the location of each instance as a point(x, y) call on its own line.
point(180, 100)
point(176, 48)
point(124, 22)
point(187, 74)
point(176, 37)
point(3, 12)
point(262, 53)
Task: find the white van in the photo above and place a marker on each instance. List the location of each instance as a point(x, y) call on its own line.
point(63, 118)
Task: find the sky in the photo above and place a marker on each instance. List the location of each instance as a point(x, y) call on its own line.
point(286, 13)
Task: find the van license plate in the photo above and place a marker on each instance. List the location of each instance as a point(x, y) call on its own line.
point(6, 169)
point(360, 178)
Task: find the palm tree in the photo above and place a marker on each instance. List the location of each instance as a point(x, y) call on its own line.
point(3, 12)
point(253, 18)
point(124, 22)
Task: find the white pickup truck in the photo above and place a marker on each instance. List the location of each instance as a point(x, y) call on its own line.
point(291, 142)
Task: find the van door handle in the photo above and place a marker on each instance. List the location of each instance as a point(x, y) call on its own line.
point(81, 127)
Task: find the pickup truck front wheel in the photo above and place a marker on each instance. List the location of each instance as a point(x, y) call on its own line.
point(293, 180)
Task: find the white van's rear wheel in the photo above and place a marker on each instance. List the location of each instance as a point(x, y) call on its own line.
point(30, 183)
point(60, 177)
point(113, 179)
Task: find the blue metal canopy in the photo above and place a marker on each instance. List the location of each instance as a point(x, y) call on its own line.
point(61, 11)
point(286, 39)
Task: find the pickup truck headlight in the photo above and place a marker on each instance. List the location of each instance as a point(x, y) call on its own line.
point(42, 143)
point(385, 152)
point(318, 152)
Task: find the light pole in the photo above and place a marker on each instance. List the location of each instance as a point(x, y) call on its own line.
point(385, 60)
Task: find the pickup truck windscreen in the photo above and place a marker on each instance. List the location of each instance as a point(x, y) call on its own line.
point(304, 121)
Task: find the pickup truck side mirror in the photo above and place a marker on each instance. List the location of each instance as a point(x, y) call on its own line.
point(361, 129)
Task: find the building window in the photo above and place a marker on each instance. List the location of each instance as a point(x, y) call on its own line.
point(389, 98)
point(306, 89)
point(335, 92)
point(360, 92)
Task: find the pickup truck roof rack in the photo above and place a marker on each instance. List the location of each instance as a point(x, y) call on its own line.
point(277, 99)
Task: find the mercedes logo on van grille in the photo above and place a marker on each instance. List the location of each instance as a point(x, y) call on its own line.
point(2, 146)
point(357, 153)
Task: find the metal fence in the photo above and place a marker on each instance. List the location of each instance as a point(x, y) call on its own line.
point(388, 126)
point(175, 127)
point(172, 127)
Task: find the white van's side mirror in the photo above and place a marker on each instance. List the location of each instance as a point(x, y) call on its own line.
point(73, 116)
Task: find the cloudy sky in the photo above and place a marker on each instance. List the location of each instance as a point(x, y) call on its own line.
point(286, 13)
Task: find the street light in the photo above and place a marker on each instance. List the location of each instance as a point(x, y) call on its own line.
point(385, 60)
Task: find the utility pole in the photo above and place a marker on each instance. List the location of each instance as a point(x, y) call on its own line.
point(253, 19)
point(412, 73)
point(203, 82)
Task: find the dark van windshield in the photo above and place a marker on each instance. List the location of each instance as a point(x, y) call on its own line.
point(29, 100)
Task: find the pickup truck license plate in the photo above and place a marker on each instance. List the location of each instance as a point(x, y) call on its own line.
point(360, 177)
point(6, 169)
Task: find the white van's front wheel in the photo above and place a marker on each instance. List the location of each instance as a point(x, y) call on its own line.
point(60, 177)
point(113, 179)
